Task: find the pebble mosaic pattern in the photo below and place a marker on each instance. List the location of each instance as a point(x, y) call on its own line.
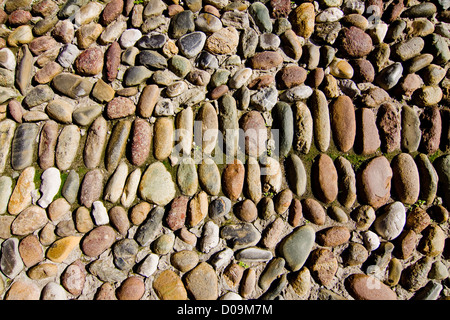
point(342, 190)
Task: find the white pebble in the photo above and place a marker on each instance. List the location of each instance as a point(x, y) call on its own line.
point(50, 183)
point(149, 265)
point(100, 213)
point(371, 240)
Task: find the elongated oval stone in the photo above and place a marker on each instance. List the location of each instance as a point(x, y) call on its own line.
point(23, 145)
point(131, 186)
point(346, 182)
point(321, 120)
point(229, 125)
point(21, 196)
point(47, 144)
point(164, 138)
point(24, 69)
point(7, 128)
point(91, 187)
point(209, 176)
point(141, 138)
point(50, 183)
point(209, 126)
point(10, 262)
point(303, 128)
point(148, 230)
point(187, 178)
point(184, 125)
point(95, 143)
point(324, 179)
point(296, 247)
point(405, 179)
point(253, 180)
point(296, 176)
point(67, 146)
point(71, 185)
point(428, 178)
point(117, 143)
point(5, 192)
point(283, 121)
point(116, 183)
point(156, 185)
point(343, 122)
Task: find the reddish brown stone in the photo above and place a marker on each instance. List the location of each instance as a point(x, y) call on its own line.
point(132, 288)
point(105, 292)
point(111, 12)
point(393, 11)
point(295, 213)
point(19, 17)
point(343, 122)
point(266, 60)
point(363, 70)
point(174, 9)
point(291, 76)
point(218, 92)
point(247, 211)
point(417, 220)
point(3, 16)
point(141, 140)
point(177, 214)
point(89, 62)
point(389, 126)
point(280, 8)
point(233, 179)
point(315, 78)
point(261, 82)
point(120, 107)
point(363, 287)
point(112, 61)
point(431, 126)
point(42, 44)
point(355, 43)
point(324, 179)
point(98, 240)
point(333, 236)
point(313, 211)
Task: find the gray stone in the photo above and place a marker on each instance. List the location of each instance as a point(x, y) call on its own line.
point(67, 55)
point(241, 235)
point(23, 145)
point(152, 59)
point(210, 237)
point(7, 128)
point(125, 252)
point(283, 121)
point(296, 176)
point(136, 75)
point(191, 44)
point(390, 224)
point(389, 76)
point(260, 15)
point(187, 178)
point(11, 263)
point(410, 132)
point(254, 254)
point(265, 99)
point(70, 188)
point(296, 247)
point(209, 176)
point(181, 24)
point(148, 231)
point(115, 149)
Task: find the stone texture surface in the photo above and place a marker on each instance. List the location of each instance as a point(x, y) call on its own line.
point(216, 149)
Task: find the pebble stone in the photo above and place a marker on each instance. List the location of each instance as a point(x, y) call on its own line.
point(224, 149)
